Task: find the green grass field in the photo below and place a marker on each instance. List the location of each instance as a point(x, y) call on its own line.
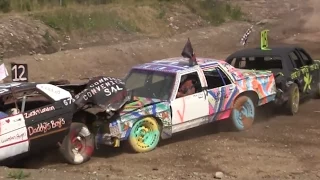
point(126, 15)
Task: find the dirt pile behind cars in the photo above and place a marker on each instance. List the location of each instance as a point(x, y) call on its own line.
point(23, 35)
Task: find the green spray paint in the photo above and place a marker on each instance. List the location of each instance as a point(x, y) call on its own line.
point(307, 79)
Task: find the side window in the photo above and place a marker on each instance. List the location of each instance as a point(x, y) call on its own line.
point(12, 103)
point(189, 84)
point(251, 58)
point(216, 78)
point(294, 57)
point(242, 63)
point(233, 62)
point(34, 100)
point(252, 63)
point(224, 77)
point(274, 62)
point(238, 62)
point(305, 58)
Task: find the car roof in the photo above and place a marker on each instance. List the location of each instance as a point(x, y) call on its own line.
point(53, 92)
point(281, 50)
point(176, 64)
point(17, 86)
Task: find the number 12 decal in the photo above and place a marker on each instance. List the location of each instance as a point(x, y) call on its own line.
point(19, 72)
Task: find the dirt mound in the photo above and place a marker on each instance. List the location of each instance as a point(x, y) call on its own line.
point(22, 35)
point(81, 26)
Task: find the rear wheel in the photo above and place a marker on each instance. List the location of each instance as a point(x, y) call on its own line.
point(144, 135)
point(243, 113)
point(77, 147)
point(317, 93)
point(292, 105)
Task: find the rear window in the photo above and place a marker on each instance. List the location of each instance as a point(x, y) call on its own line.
point(258, 63)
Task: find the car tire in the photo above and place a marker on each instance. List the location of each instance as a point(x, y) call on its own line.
point(242, 114)
point(317, 93)
point(292, 105)
point(144, 135)
point(78, 146)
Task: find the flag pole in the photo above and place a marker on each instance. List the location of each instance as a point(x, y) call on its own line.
point(245, 37)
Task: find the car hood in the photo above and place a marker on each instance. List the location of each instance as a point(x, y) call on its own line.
point(109, 94)
point(138, 103)
point(106, 93)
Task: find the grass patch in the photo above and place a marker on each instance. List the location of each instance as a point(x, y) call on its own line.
point(48, 38)
point(162, 13)
point(146, 16)
point(68, 20)
point(31, 5)
point(19, 174)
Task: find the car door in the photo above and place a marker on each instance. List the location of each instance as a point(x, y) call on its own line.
point(47, 120)
point(310, 77)
point(13, 136)
point(299, 69)
point(190, 110)
point(220, 93)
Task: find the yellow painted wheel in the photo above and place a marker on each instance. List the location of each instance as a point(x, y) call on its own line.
point(144, 135)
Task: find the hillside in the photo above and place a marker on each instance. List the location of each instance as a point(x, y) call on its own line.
point(30, 27)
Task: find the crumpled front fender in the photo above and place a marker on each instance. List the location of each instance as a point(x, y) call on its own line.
point(161, 111)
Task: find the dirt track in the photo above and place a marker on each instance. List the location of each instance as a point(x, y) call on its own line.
point(277, 147)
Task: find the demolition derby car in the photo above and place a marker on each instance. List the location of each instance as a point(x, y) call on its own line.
point(167, 96)
point(296, 73)
point(33, 118)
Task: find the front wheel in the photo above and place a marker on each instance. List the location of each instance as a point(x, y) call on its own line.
point(144, 135)
point(77, 147)
point(243, 113)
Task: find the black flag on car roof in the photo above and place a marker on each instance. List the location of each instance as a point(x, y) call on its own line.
point(187, 52)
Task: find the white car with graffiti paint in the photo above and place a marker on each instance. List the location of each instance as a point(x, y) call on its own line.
point(34, 118)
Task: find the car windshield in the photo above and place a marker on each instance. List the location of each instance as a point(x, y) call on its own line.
point(150, 84)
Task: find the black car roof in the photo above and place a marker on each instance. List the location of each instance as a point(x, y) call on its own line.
point(275, 50)
point(16, 87)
